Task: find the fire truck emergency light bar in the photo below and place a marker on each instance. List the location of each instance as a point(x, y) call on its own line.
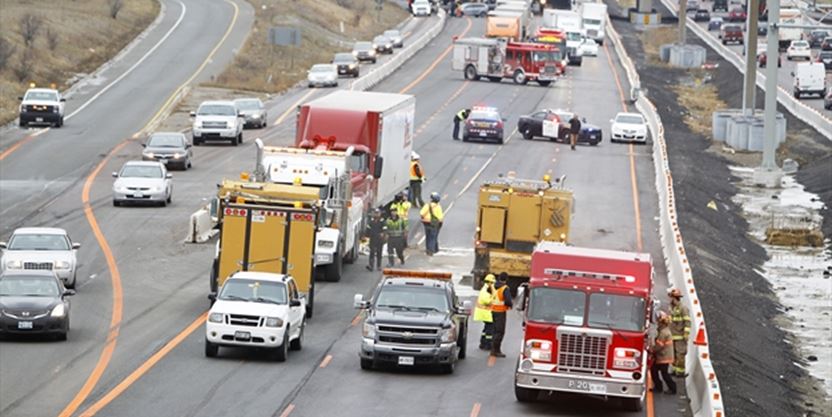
point(591, 275)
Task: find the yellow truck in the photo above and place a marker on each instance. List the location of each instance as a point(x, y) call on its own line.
point(513, 215)
point(267, 228)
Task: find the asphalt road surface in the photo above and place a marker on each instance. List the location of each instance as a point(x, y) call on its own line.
point(136, 347)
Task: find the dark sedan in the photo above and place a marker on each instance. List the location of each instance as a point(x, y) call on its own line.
point(826, 44)
point(554, 125)
point(347, 64)
point(702, 15)
point(34, 301)
point(825, 57)
point(169, 148)
point(483, 123)
point(816, 38)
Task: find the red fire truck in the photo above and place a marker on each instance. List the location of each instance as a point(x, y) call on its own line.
point(586, 318)
point(554, 37)
point(496, 59)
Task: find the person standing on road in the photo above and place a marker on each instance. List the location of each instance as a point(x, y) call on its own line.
point(662, 350)
point(396, 238)
point(432, 217)
point(500, 305)
point(375, 230)
point(417, 177)
point(574, 130)
point(483, 312)
point(680, 329)
point(401, 206)
point(460, 117)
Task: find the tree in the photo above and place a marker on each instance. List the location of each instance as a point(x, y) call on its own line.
point(29, 27)
point(115, 7)
point(24, 67)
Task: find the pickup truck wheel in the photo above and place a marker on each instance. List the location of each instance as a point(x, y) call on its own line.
point(281, 352)
point(240, 138)
point(71, 284)
point(367, 364)
point(212, 280)
point(23, 124)
point(525, 395)
point(211, 349)
point(463, 344)
point(448, 368)
point(297, 344)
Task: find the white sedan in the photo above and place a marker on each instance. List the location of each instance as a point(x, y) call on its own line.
point(143, 182)
point(323, 75)
point(256, 309)
point(589, 47)
point(799, 49)
point(628, 127)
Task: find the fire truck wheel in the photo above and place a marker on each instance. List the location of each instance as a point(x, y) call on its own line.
point(519, 77)
point(544, 83)
point(471, 73)
point(633, 404)
point(525, 395)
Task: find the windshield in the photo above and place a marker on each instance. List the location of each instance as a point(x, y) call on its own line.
point(165, 141)
point(216, 110)
point(484, 115)
point(620, 312)
point(39, 242)
point(322, 68)
point(551, 305)
point(239, 289)
point(592, 22)
point(543, 56)
point(381, 39)
point(42, 95)
point(391, 33)
point(573, 36)
point(630, 120)
point(249, 104)
point(348, 58)
point(800, 44)
point(141, 171)
point(363, 46)
point(412, 297)
point(29, 286)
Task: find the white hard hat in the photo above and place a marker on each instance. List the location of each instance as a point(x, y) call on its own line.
point(414, 156)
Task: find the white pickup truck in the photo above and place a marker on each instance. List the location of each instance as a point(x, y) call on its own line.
point(259, 310)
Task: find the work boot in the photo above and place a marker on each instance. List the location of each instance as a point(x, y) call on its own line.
point(670, 392)
point(370, 268)
point(498, 354)
point(657, 389)
point(573, 147)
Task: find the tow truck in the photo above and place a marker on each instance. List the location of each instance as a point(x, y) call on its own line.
point(586, 319)
point(496, 59)
point(267, 227)
point(337, 240)
point(513, 215)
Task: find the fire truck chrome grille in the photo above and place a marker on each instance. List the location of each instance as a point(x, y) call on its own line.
point(582, 354)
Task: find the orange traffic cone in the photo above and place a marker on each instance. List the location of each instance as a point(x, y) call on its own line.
point(700, 337)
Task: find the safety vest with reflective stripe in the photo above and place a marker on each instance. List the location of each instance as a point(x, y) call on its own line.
point(483, 310)
point(416, 172)
point(680, 322)
point(395, 228)
point(431, 210)
point(498, 304)
point(402, 209)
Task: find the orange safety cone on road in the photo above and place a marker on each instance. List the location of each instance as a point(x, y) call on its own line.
point(700, 337)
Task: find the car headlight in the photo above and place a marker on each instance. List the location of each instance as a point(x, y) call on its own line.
point(274, 322)
point(448, 335)
point(59, 310)
point(369, 330)
point(63, 265)
point(373, 52)
point(215, 317)
point(326, 243)
point(14, 264)
point(177, 155)
point(352, 65)
point(149, 154)
point(255, 116)
point(354, 53)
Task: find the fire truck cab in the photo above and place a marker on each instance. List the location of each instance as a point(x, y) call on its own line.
point(496, 59)
point(586, 317)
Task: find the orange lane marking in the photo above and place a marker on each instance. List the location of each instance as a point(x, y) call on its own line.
point(292, 108)
point(326, 361)
point(650, 410)
point(437, 61)
point(115, 280)
point(492, 360)
point(21, 142)
point(476, 410)
point(144, 367)
point(287, 411)
point(356, 320)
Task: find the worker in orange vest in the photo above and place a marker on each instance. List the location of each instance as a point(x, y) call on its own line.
point(662, 350)
point(417, 177)
point(500, 305)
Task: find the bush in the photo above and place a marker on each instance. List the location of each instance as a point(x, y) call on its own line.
point(6, 52)
point(25, 65)
point(29, 27)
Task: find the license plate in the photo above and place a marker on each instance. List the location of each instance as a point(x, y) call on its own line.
point(242, 335)
point(138, 195)
point(482, 133)
point(587, 386)
point(38, 119)
point(25, 325)
point(406, 360)
point(164, 161)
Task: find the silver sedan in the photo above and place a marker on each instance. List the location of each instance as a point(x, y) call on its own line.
point(253, 111)
point(143, 182)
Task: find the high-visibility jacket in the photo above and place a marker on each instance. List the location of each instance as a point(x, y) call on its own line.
point(462, 115)
point(395, 228)
point(432, 211)
point(402, 209)
point(498, 304)
point(483, 310)
point(679, 322)
point(663, 347)
point(416, 172)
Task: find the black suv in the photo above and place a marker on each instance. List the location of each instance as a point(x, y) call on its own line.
point(816, 38)
point(825, 57)
point(414, 318)
point(347, 64)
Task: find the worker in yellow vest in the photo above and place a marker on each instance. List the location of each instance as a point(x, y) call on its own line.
point(432, 217)
point(483, 312)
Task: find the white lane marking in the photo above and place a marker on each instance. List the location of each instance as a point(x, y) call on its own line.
point(134, 66)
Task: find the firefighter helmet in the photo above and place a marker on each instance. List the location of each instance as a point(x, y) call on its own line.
point(675, 293)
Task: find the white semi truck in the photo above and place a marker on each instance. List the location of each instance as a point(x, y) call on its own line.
point(594, 19)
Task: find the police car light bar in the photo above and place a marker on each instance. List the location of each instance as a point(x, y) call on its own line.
point(483, 108)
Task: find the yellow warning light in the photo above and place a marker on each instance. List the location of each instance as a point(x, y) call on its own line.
point(563, 237)
point(298, 181)
point(53, 86)
point(241, 200)
point(32, 84)
point(244, 176)
point(547, 178)
point(298, 204)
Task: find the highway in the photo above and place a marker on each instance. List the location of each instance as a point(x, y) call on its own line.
point(136, 346)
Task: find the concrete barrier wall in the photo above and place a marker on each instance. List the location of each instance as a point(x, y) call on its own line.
point(702, 384)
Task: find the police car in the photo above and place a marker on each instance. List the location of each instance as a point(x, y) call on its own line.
point(484, 123)
point(43, 106)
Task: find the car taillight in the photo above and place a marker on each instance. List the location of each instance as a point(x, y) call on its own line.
point(499, 124)
point(626, 358)
point(538, 350)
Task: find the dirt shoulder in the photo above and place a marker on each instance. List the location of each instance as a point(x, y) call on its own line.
point(48, 41)
point(759, 371)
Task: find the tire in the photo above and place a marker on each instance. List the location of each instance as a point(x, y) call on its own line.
point(501, 141)
point(23, 124)
point(164, 203)
point(463, 345)
point(60, 122)
point(464, 138)
point(519, 77)
point(311, 303)
point(211, 349)
point(796, 94)
point(352, 255)
point(367, 364)
point(448, 368)
point(495, 79)
point(71, 285)
point(170, 197)
point(197, 141)
point(527, 134)
point(544, 83)
point(116, 203)
point(374, 61)
point(632, 404)
point(62, 336)
point(471, 73)
point(297, 344)
point(281, 352)
point(214, 277)
point(525, 395)
point(240, 138)
point(333, 271)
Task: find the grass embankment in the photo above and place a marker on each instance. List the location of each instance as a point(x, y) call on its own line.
point(261, 66)
point(53, 41)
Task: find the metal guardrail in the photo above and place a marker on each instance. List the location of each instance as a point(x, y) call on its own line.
point(701, 383)
point(821, 122)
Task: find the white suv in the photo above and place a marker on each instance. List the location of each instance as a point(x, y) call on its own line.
point(42, 106)
point(256, 309)
point(41, 248)
point(218, 120)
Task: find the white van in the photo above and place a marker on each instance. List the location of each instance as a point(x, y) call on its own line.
point(809, 78)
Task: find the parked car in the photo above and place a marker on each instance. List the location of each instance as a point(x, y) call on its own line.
point(322, 75)
point(731, 34)
point(693, 5)
point(217, 120)
point(825, 57)
point(589, 47)
point(827, 101)
point(736, 14)
point(142, 182)
point(629, 127)
point(383, 44)
point(816, 37)
point(364, 51)
point(253, 111)
point(826, 44)
point(34, 302)
point(554, 125)
point(762, 28)
point(799, 50)
point(169, 148)
point(715, 23)
point(347, 64)
point(396, 36)
point(41, 248)
point(702, 15)
point(720, 5)
point(475, 9)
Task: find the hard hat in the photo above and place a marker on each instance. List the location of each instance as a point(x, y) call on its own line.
point(435, 197)
point(675, 293)
point(490, 278)
point(414, 156)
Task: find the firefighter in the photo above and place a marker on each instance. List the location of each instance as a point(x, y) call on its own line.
point(417, 177)
point(574, 130)
point(459, 118)
point(483, 312)
point(432, 217)
point(396, 237)
point(500, 305)
point(680, 329)
point(375, 231)
point(662, 351)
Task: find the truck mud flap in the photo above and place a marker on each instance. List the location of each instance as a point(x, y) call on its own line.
point(481, 262)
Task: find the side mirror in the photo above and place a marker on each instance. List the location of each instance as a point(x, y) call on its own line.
point(115, 174)
point(69, 292)
point(467, 305)
point(188, 145)
point(193, 114)
point(63, 100)
point(378, 167)
point(3, 245)
point(359, 303)
point(294, 303)
point(144, 145)
point(240, 115)
point(212, 296)
point(76, 245)
point(168, 175)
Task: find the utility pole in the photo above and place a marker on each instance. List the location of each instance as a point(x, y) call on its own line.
point(770, 122)
point(683, 18)
point(750, 79)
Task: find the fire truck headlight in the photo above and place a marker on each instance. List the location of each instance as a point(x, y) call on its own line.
point(538, 350)
point(626, 358)
point(526, 365)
